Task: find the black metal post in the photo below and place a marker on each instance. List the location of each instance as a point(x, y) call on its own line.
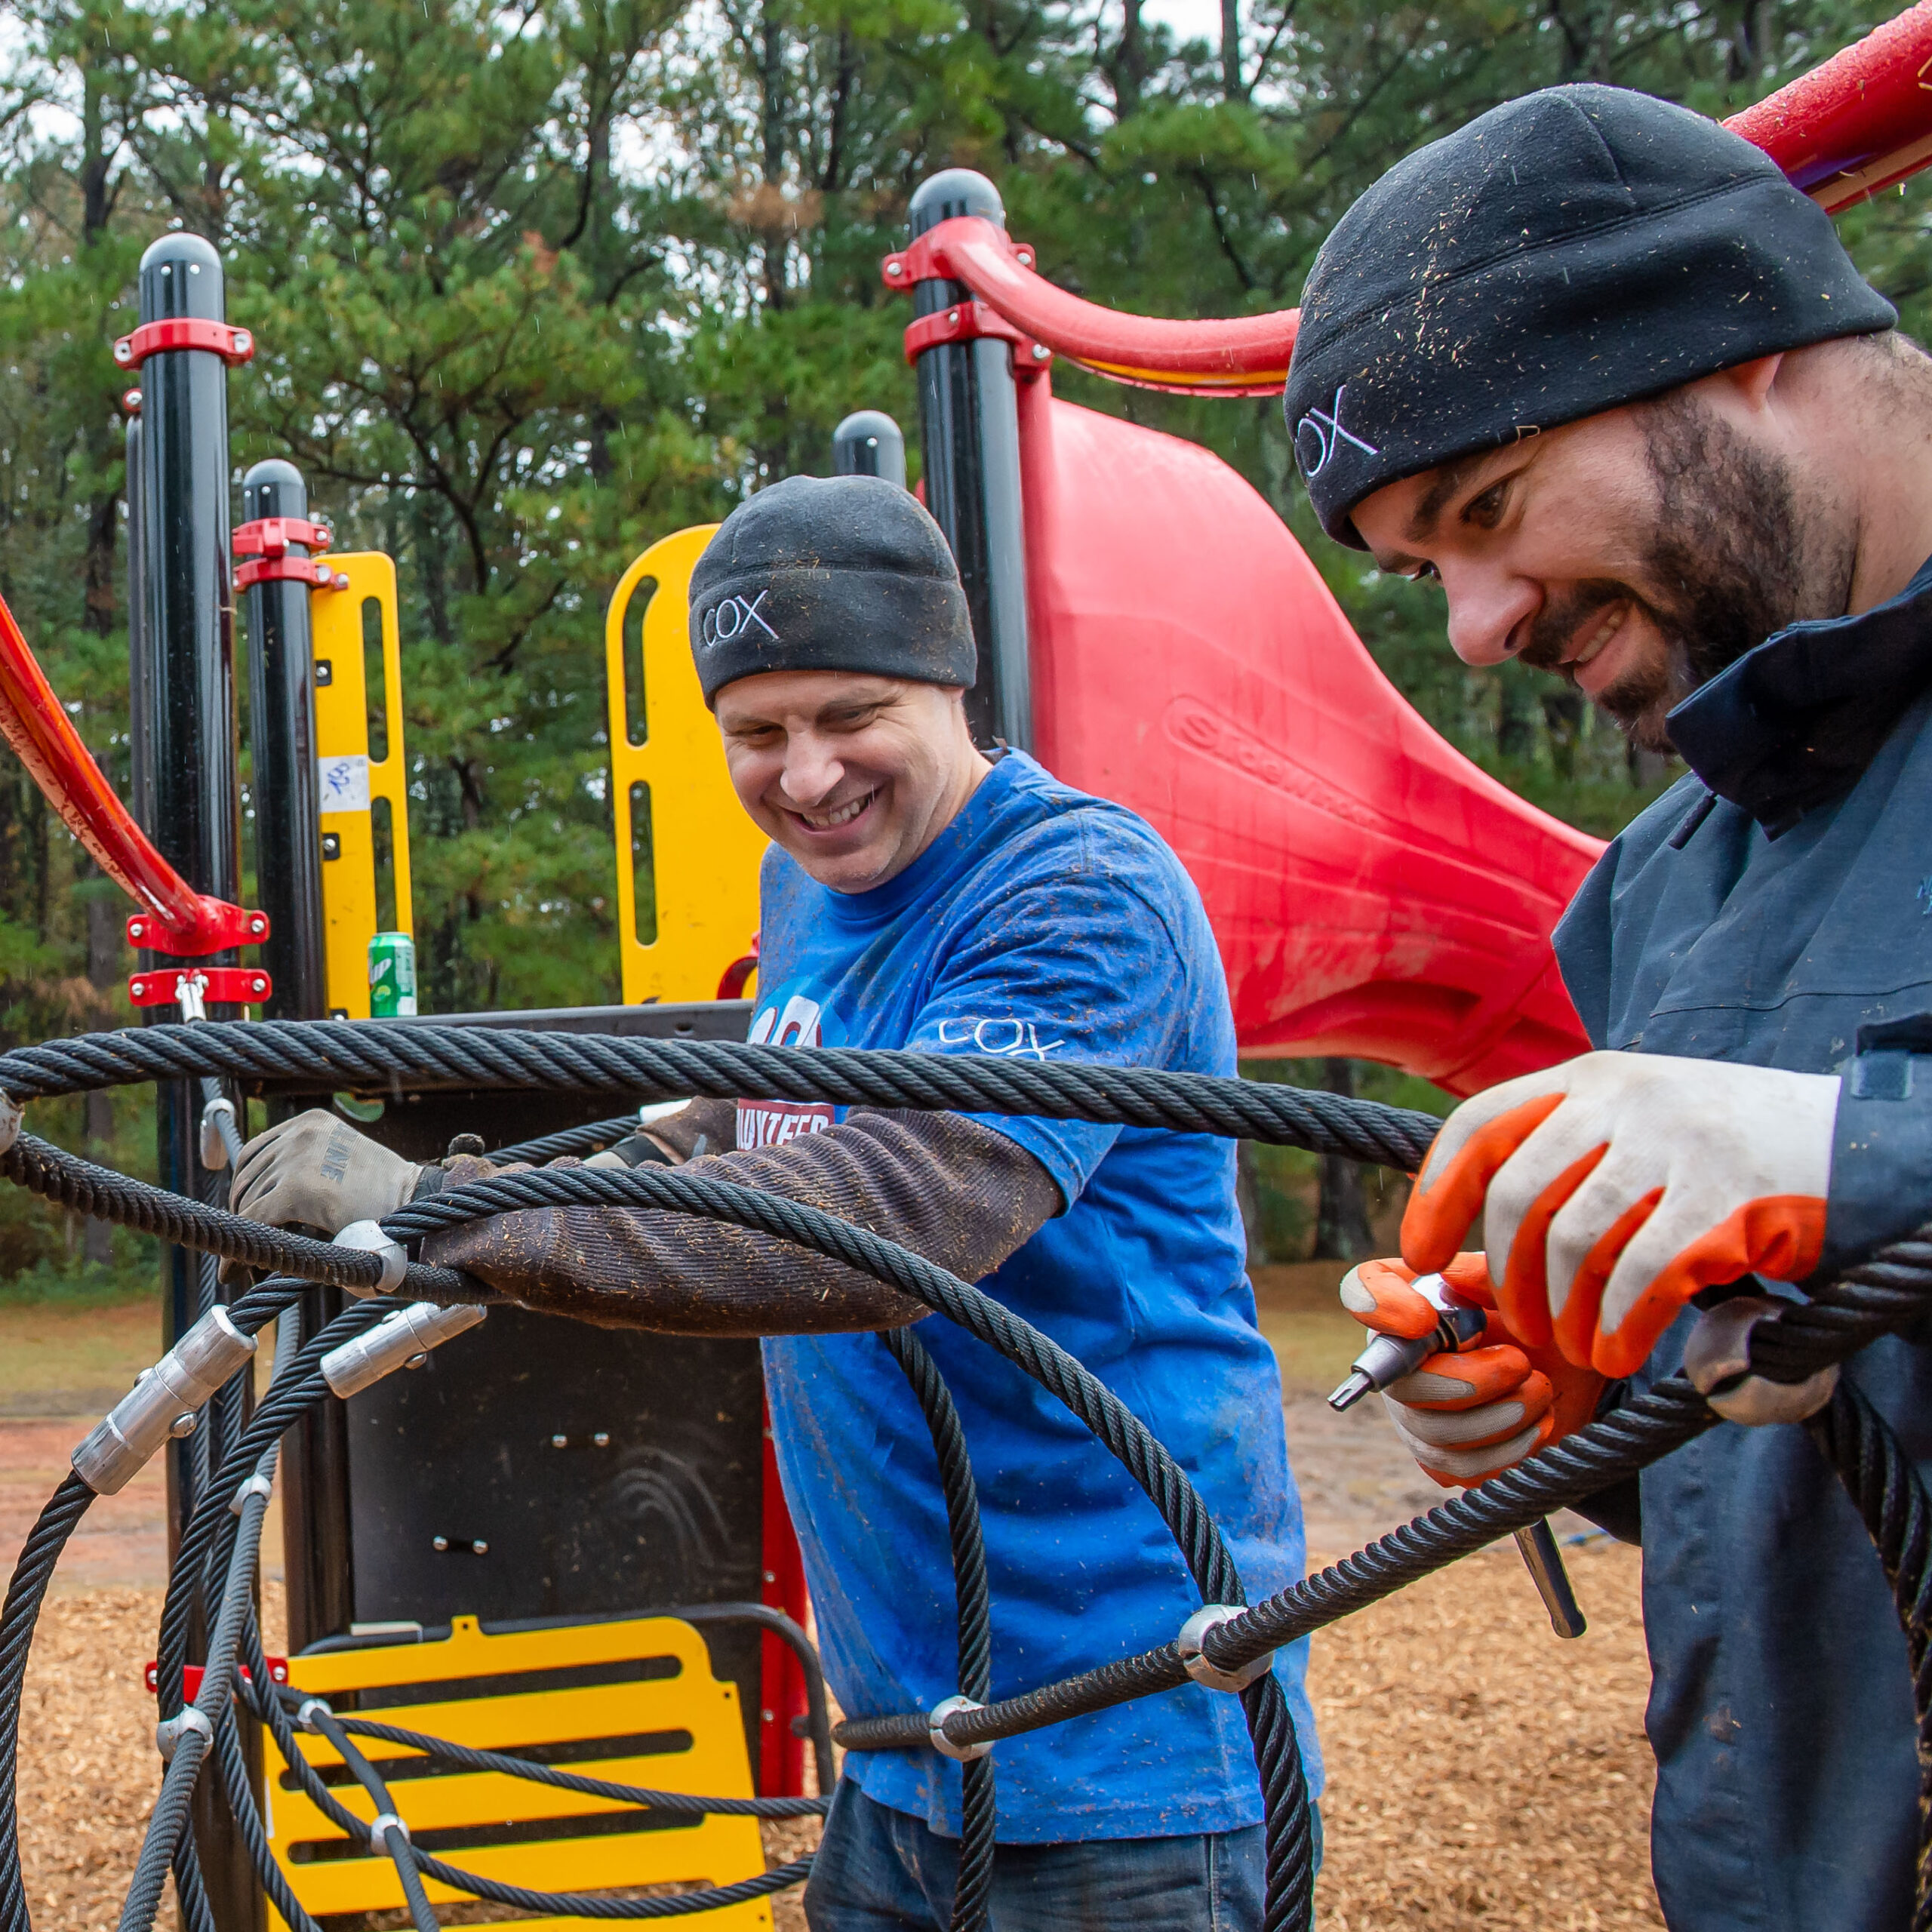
point(969, 426)
point(189, 804)
point(288, 879)
point(281, 734)
point(869, 443)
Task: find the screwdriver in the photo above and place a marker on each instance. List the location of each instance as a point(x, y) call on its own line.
point(1388, 1358)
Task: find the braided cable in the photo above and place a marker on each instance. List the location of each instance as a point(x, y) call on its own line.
point(972, 1892)
point(333, 1054)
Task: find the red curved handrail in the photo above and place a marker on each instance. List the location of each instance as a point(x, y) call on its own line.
point(1861, 121)
point(33, 723)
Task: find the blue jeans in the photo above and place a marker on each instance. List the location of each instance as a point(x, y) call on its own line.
point(878, 1870)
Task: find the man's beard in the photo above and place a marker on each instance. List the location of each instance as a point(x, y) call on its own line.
point(1730, 559)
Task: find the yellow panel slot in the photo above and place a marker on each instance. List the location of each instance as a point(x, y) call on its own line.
point(671, 1726)
point(350, 779)
point(704, 850)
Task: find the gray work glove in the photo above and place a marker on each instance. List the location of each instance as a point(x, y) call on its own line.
point(316, 1171)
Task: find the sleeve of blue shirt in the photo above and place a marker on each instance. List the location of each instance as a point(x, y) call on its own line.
point(1078, 968)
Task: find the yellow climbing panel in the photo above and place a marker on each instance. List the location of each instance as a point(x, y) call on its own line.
point(651, 1714)
point(351, 780)
point(703, 851)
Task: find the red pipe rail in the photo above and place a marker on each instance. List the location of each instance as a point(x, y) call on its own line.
point(1860, 122)
point(33, 721)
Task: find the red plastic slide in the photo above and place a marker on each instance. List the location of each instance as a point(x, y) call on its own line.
point(1374, 894)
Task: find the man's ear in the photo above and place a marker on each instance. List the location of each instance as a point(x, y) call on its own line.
point(1750, 383)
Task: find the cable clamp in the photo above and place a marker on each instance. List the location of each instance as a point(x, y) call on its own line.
point(215, 1142)
point(1194, 1661)
point(400, 1340)
point(164, 1402)
point(1717, 1359)
point(379, 1829)
point(11, 1113)
point(304, 1720)
point(947, 1707)
point(167, 1734)
point(368, 1238)
point(257, 1484)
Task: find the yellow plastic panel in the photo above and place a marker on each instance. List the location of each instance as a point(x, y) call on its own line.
point(705, 851)
point(350, 779)
point(647, 1720)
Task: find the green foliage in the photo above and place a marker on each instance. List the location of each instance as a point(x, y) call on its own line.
point(535, 287)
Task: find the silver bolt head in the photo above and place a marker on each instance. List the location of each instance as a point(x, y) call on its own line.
point(439, 1543)
point(184, 1424)
point(602, 1438)
point(1040, 352)
point(479, 1548)
point(560, 1442)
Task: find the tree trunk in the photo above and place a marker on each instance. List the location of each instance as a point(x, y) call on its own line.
point(1232, 86)
point(1342, 1232)
point(1247, 1198)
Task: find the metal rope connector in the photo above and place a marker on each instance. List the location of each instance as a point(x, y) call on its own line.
point(164, 1401)
point(167, 1734)
point(257, 1484)
point(947, 1707)
point(1717, 1359)
point(304, 1720)
point(11, 1114)
point(379, 1829)
point(398, 1341)
point(367, 1236)
point(218, 1129)
point(1194, 1661)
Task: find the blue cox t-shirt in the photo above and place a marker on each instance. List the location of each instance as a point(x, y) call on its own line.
point(1043, 925)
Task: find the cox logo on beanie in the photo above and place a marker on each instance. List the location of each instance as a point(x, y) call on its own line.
point(729, 616)
point(829, 574)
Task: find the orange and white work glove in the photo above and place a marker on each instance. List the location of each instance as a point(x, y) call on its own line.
point(1467, 1416)
point(1616, 1186)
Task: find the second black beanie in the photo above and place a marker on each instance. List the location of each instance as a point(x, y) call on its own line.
point(1568, 253)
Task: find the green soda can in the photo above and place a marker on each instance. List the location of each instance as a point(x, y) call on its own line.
point(392, 976)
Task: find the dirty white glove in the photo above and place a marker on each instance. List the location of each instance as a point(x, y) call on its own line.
point(316, 1171)
point(1616, 1186)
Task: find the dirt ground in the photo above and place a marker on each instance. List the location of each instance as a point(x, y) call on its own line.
point(1483, 1776)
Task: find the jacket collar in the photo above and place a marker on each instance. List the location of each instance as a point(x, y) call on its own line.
point(1794, 722)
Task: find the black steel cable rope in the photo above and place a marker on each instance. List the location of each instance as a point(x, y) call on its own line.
point(393, 1839)
point(1882, 1481)
point(972, 1892)
point(592, 1138)
point(677, 1803)
point(333, 1053)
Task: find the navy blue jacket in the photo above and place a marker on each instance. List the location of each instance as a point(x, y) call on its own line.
point(1775, 908)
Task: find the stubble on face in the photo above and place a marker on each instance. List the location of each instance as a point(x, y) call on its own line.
point(1731, 556)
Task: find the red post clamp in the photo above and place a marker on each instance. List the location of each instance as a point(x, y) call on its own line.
point(266, 542)
point(926, 259)
point(192, 1674)
point(220, 985)
point(963, 322)
point(219, 926)
point(234, 346)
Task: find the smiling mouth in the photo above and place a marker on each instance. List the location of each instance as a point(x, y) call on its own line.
point(839, 815)
point(1593, 646)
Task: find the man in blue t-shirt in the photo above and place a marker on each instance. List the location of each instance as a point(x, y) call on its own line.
point(918, 894)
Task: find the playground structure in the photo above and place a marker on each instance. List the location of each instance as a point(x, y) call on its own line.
point(532, 1515)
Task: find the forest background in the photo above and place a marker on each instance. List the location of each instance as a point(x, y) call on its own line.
point(534, 285)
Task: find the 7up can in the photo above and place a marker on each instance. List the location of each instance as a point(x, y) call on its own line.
point(392, 976)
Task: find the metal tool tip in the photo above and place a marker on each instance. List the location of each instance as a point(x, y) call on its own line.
point(1351, 1392)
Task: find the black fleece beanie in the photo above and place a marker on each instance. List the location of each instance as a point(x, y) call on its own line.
point(1568, 253)
point(830, 573)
